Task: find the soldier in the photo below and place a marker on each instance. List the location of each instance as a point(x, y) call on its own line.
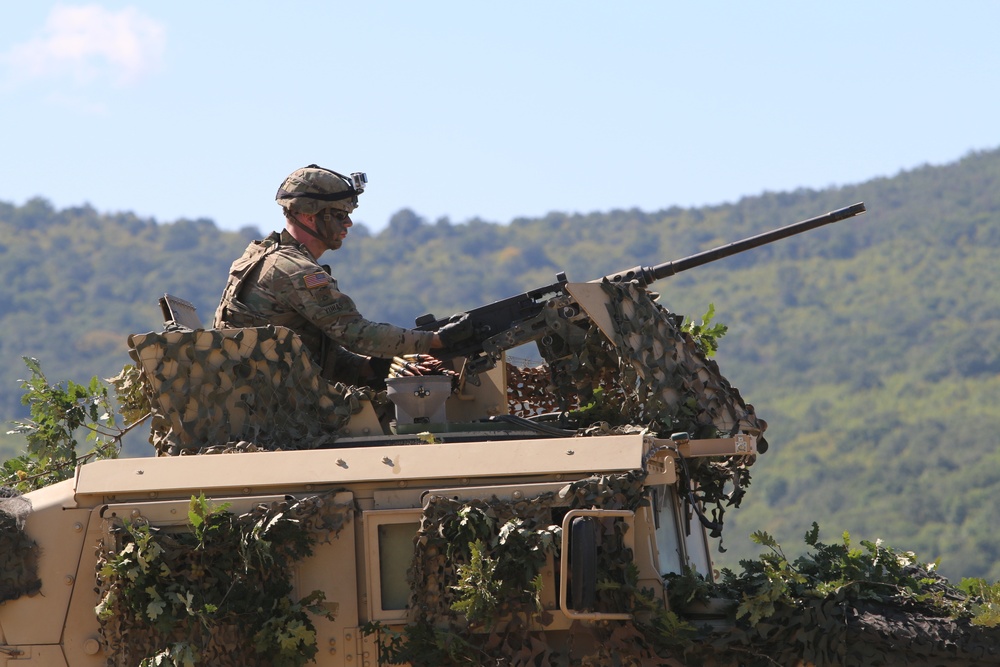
point(278, 281)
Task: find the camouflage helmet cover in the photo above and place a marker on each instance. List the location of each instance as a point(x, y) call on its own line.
point(312, 189)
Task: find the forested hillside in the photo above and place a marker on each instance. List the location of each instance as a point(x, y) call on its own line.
point(872, 346)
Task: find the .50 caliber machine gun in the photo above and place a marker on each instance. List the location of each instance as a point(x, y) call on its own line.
point(520, 319)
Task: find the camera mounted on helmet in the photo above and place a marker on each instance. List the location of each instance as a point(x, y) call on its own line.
point(360, 181)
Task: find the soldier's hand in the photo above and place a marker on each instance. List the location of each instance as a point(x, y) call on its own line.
point(459, 328)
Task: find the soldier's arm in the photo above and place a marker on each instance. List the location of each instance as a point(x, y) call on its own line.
point(315, 296)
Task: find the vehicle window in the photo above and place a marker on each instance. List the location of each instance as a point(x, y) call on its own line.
point(395, 548)
point(668, 541)
point(697, 549)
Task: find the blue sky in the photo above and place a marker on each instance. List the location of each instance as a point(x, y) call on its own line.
point(491, 110)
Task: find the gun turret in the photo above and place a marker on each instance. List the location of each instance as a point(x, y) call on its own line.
point(519, 319)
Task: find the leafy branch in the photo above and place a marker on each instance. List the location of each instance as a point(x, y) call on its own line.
point(226, 576)
point(60, 414)
point(705, 334)
point(869, 572)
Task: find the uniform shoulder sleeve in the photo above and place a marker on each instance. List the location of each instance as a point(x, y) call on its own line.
point(303, 285)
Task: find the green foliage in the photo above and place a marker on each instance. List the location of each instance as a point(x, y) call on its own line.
point(840, 604)
point(498, 566)
point(599, 409)
point(664, 629)
point(480, 592)
point(58, 415)
point(178, 654)
point(687, 587)
point(705, 334)
point(226, 573)
point(986, 607)
point(871, 572)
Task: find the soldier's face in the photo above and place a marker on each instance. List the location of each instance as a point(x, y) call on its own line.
point(332, 226)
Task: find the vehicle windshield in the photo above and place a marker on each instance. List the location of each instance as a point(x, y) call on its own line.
point(676, 548)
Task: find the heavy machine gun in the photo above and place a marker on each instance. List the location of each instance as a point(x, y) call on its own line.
point(527, 317)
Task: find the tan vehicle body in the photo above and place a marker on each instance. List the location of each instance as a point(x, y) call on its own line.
point(388, 484)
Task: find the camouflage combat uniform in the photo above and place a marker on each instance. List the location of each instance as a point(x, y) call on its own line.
point(277, 281)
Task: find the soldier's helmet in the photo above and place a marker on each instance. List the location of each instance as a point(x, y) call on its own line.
point(312, 189)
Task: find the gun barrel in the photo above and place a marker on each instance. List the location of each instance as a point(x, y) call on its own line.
point(647, 275)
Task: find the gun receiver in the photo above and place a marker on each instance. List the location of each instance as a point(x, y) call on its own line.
point(519, 319)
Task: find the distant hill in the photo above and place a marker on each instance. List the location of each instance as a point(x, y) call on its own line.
point(872, 347)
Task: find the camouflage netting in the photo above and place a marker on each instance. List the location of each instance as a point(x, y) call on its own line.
point(239, 390)
point(837, 632)
point(875, 635)
point(672, 377)
point(530, 392)
point(18, 552)
point(476, 567)
point(257, 389)
point(217, 592)
point(518, 535)
point(652, 373)
point(657, 374)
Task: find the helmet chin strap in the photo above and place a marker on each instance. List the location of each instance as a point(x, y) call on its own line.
point(330, 243)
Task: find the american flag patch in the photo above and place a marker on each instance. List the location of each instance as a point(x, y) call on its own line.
point(316, 280)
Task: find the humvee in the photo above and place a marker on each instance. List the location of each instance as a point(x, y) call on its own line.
point(495, 515)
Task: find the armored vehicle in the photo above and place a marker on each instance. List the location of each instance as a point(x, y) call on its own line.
point(488, 514)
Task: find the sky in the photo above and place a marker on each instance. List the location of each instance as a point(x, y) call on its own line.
point(495, 111)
